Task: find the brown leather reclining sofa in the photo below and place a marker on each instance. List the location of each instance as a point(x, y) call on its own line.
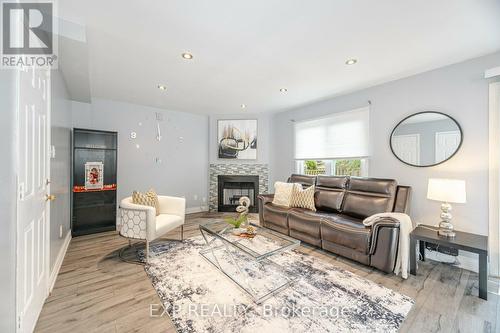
point(337, 225)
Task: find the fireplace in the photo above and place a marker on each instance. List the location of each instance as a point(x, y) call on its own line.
point(232, 188)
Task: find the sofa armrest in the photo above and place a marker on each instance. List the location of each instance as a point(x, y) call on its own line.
point(384, 244)
point(265, 198)
point(172, 205)
point(378, 226)
point(262, 200)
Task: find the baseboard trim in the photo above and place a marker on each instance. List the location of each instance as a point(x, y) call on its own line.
point(468, 263)
point(192, 210)
point(59, 261)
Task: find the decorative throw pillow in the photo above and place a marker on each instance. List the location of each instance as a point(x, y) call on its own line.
point(283, 193)
point(152, 194)
point(303, 198)
point(147, 199)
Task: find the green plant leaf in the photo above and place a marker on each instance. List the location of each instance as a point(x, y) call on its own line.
point(236, 222)
point(232, 221)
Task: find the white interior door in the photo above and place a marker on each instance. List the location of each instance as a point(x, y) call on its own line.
point(494, 187)
point(446, 144)
point(33, 188)
point(407, 147)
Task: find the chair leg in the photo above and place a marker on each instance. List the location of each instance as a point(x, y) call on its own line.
point(147, 251)
point(182, 232)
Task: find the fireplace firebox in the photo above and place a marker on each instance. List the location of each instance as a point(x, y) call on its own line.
point(232, 188)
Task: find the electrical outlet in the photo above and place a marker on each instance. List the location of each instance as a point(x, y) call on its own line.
point(204, 199)
point(195, 197)
point(60, 231)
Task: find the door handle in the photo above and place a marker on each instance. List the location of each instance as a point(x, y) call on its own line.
point(50, 197)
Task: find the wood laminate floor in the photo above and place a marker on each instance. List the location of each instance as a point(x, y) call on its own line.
point(96, 292)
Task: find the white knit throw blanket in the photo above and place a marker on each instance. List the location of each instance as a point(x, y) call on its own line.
point(405, 228)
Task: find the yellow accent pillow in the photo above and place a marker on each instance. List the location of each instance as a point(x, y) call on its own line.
point(303, 198)
point(150, 198)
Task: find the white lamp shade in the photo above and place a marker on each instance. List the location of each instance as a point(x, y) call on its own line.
point(446, 190)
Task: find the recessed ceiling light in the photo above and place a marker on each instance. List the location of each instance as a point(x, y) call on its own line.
point(187, 55)
point(351, 61)
point(243, 106)
point(283, 90)
point(162, 87)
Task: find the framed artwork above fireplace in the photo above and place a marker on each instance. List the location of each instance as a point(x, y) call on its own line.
point(237, 139)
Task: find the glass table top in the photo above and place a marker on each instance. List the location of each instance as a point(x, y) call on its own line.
point(265, 243)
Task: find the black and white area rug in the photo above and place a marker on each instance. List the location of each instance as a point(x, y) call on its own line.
point(200, 298)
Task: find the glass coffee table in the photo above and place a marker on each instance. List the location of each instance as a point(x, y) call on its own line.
point(246, 261)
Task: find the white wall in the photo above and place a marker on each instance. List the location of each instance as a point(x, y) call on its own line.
point(458, 90)
point(183, 150)
point(263, 143)
point(8, 201)
point(60, 165)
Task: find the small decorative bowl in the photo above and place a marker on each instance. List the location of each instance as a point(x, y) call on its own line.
point(238, 231)
point(250, 230)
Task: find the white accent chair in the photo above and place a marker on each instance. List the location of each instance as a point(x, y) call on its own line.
point(140, 222)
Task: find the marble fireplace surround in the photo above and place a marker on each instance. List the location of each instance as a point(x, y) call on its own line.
point(240, 169)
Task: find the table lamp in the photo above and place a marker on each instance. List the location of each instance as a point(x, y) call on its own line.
point(447, 191)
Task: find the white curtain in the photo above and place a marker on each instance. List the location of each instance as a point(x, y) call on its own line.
point(340, 135)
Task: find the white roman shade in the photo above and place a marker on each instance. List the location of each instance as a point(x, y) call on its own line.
point(340, 135)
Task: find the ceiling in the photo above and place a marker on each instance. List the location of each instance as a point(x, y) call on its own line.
point(245, 51)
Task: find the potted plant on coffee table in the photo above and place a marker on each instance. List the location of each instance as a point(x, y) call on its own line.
point(241, 219)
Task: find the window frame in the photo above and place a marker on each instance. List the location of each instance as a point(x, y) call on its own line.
point(299, 166)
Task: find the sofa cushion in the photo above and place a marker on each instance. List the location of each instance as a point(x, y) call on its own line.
point(332, 182)
point(330, 191)
point(304, 180)
point(277, 215)
point(346, 252)
point(368, 196)
point(166, 223)
point(347, 231)
point(305, 225)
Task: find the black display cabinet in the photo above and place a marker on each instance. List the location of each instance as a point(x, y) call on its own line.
point(94, 209)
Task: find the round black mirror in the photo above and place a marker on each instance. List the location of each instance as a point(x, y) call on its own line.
point(426, 139)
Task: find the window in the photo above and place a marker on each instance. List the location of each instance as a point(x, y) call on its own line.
point(334, 145)
point(343, 167)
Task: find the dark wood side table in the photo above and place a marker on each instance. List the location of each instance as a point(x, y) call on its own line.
point(463, 241)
